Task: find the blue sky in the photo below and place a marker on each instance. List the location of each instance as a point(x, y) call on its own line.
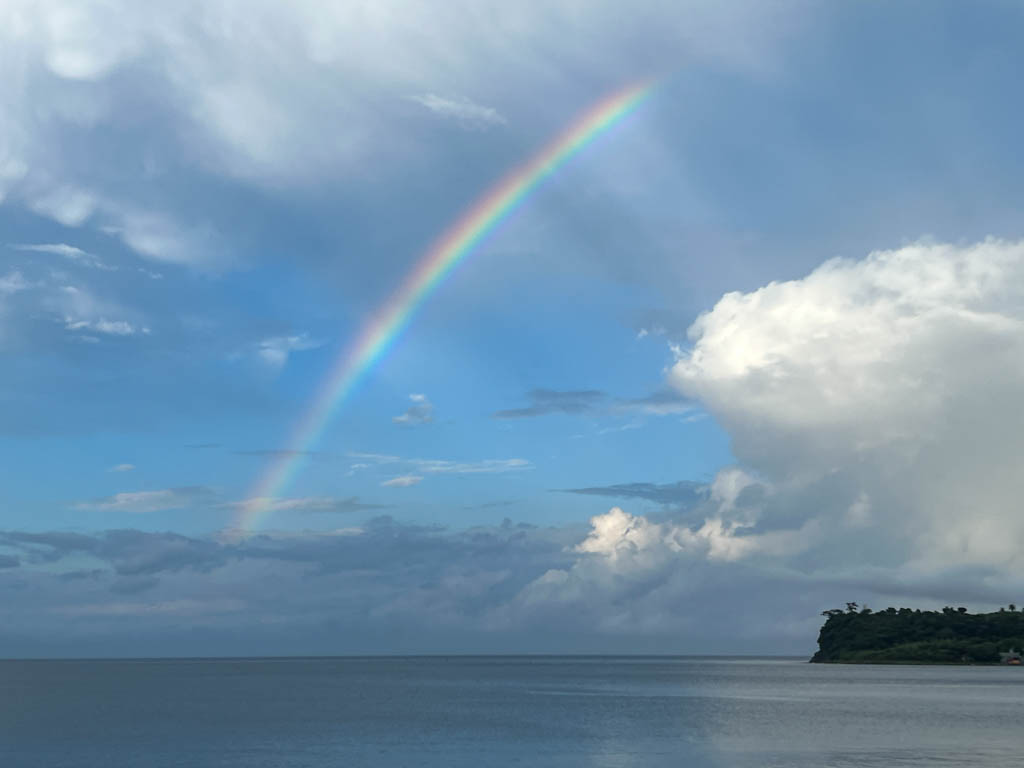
point(200, 208)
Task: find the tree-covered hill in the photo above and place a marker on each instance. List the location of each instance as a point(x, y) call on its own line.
point(949, 636)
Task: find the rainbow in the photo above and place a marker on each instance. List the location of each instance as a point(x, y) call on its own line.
point(391, 319)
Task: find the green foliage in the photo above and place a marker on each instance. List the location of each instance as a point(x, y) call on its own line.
point(950, 636)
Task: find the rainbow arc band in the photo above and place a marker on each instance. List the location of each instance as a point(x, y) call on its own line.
point(388, 322)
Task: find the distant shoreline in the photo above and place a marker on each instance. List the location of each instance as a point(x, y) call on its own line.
point(950, 637)
point(802, 658)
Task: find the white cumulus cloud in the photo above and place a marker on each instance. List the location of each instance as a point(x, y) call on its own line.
point(881, 395)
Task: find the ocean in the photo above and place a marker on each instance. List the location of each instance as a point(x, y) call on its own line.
point(611, 712)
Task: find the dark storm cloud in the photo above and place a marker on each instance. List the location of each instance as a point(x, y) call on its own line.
point(9, 561)
point(683, 492)
point(546, 401)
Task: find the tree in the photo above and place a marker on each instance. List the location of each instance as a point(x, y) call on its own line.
point(851, 607)
point(1012, 607)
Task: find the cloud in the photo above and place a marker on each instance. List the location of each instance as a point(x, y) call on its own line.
point(487, 466)
point(722, 575)
point(69, 252)
point(161, 236)
point(122, 468)
point(65, 204)
point(274, 351)
point(880, 397)
point(220, 85)
point(485, 588)
point(402, 481)
point(683, 492)
point(463, 110)
point(664, 402)
point(375, 458)
point(306, 504)
point(420, 412)
point(81, 310)
point(107, 327)
point(654, 330)
point(13, 282)
point(150, 501)
point(126, 552)
point(620, 536)
point(629, 426)
point(546, 401)
point(443, 466)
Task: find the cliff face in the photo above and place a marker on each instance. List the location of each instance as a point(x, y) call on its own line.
point(903, 635)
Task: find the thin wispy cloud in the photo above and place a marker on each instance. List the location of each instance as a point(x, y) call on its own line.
point(466, 112)
point(669, 493)
point(150, 501)
point(106, 327)
point(442, 466)
point(402, 481)
point(548, 401)
point(322, 504)
point(487, 466)
point(122, 468)
point(83, 312)
point(664, 402)
point(69, 252)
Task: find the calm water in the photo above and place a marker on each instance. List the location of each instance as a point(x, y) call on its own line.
point(558, 711)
